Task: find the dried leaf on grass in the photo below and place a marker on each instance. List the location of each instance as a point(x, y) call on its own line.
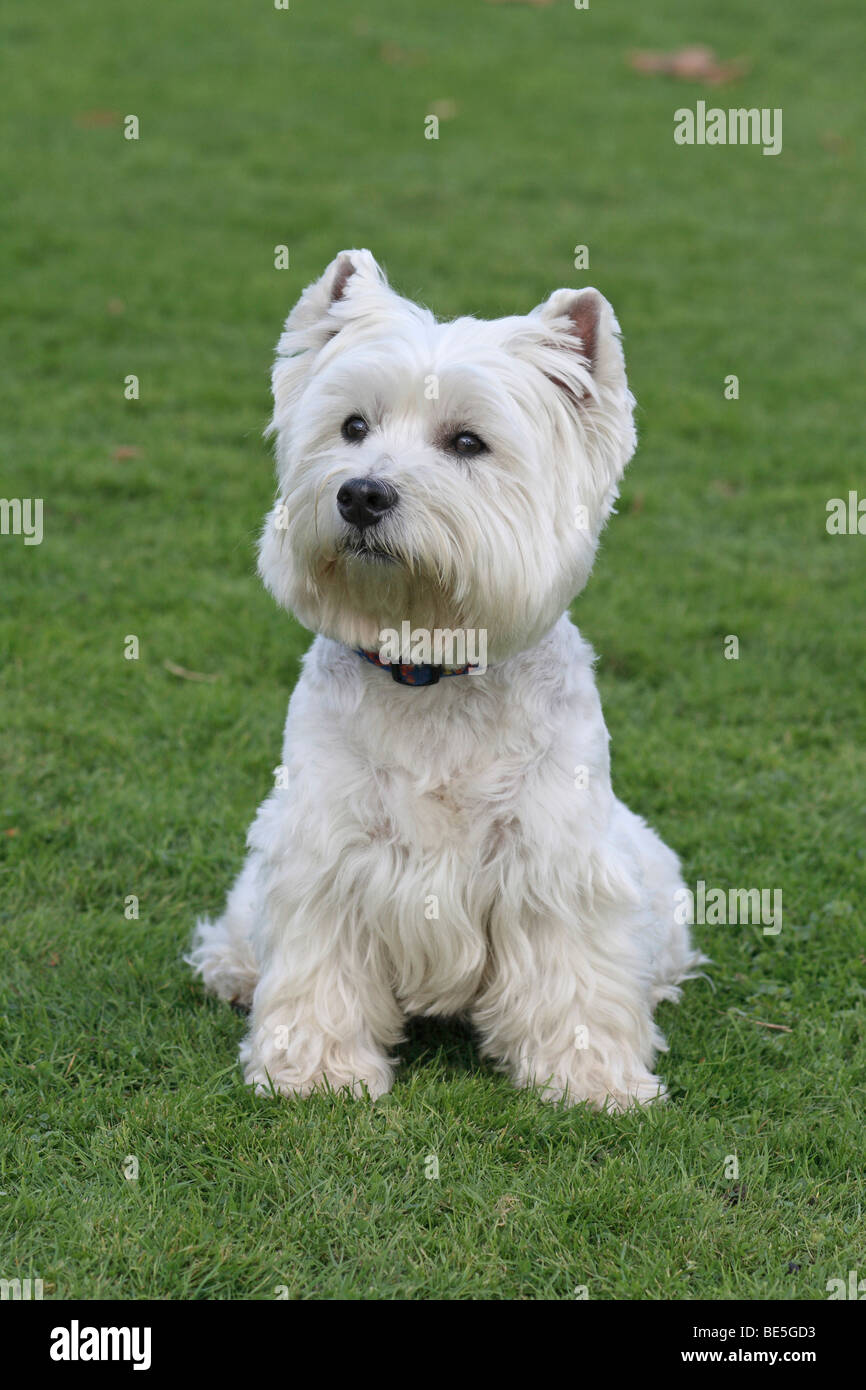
point(695, 63)
point(186, 675)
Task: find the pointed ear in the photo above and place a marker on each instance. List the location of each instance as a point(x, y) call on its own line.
point(573, 338)
point(353, 284)
point(582, 325)
point(351, 276)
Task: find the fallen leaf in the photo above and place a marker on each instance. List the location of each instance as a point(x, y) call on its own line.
point(94, 120)
point(186, 675)
point(445, 109)
point(397, 57)
point(722, 488)
point(836, 144)
point(695, 63)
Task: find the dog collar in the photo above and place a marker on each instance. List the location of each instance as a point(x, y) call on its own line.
point(409, 673)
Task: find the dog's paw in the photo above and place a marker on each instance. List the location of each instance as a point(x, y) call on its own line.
point(640, 1093)
point(223, 962)
point(614, 1098)
point(290, 1083)
point(271, 1072)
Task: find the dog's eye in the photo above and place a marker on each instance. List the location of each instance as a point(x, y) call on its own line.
point(355, 429)
point(467, 444)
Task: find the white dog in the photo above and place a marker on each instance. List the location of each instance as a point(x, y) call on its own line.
point(454, 848)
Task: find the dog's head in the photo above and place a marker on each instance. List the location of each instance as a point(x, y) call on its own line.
point(452, 475)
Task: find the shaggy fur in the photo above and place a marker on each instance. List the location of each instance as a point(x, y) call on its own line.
point(456, 849)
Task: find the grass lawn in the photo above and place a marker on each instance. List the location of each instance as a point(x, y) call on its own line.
point(155, 258)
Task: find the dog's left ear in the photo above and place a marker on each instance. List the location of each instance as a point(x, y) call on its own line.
point(582, 331)
point(573, 338)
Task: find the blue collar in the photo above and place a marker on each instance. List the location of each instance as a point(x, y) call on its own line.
point(411, 674)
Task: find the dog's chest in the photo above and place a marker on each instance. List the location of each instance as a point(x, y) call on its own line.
point(433, 843)
point(449, 804)
point(444, 796)
point(438, 819)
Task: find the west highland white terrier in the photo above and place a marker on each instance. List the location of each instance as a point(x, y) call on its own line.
point(443, 838)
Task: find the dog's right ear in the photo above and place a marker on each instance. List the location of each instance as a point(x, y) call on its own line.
point(352, 285)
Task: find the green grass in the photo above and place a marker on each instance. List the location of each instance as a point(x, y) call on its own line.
point(261, 127)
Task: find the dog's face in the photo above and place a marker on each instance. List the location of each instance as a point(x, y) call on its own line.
point(452, 475)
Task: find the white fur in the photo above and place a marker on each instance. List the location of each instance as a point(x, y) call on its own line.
point(556, 932)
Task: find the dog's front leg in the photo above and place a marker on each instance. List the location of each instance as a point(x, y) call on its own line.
point(320, 1022)
point(567, 1011)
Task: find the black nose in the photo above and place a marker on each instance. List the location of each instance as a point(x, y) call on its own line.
point(364, 501)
